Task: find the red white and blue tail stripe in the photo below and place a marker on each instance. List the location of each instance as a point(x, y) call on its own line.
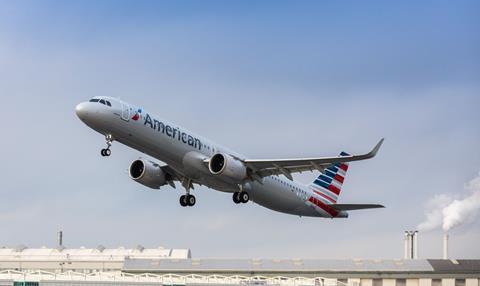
point(329, 184)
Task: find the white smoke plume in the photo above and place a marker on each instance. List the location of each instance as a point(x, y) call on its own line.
point(447, 212)
point(434, 212)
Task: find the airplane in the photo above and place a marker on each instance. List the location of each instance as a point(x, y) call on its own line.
point(190, 159)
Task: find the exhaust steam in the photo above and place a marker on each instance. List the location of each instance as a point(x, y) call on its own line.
point(447, 211)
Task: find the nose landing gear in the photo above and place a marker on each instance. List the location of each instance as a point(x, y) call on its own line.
point(106, 151)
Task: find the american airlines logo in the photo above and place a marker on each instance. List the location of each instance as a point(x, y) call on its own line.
point(137, 114)
point(173, 132)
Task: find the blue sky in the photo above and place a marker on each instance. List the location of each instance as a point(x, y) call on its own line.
point(265, 78)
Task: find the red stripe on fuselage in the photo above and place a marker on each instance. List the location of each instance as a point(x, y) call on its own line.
point(323, 206)
point(325, 196)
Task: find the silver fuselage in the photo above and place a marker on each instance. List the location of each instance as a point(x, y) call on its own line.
point(184, 151)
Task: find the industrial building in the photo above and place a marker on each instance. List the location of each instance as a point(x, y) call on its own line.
point(84, 260)
point(140, 266)
point(162, 266)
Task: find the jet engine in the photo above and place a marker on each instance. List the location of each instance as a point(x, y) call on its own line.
point(147, 173)
point(226, 165)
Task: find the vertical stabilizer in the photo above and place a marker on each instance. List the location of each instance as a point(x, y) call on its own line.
point(328, 184)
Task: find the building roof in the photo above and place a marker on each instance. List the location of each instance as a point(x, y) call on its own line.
point(455, 265)
point(341, 269)
point(256, 265)
point(91, 254)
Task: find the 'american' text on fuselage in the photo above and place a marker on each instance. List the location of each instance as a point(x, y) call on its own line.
point(173, 132)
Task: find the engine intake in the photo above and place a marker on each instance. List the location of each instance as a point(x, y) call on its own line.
point(147, 173)
point(226, 165)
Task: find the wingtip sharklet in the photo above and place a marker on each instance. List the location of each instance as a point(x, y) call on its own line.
point(375, 149)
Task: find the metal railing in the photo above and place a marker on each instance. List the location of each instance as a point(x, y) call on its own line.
point(167, 279)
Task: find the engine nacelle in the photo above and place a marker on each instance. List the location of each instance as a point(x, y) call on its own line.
point(226, 165)
point(147, 173)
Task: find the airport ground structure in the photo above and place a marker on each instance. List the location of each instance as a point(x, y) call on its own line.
point(141, 266)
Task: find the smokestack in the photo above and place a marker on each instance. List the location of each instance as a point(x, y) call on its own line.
point(60, 238)
point(411, 244)
point(406, 242)
point(445, 245)
point(415, 245)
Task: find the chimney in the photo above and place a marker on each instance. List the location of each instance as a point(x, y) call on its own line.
point(60, 239)
point(415, 244)
point(445, 245)
point(407, 243)
point(411, 244)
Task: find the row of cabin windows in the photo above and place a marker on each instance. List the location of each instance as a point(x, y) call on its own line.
point(285, 183)
point(102, 101)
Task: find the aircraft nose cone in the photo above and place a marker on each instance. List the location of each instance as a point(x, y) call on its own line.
point(81, 111)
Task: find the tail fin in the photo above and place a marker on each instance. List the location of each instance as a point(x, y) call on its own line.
point(329, 184)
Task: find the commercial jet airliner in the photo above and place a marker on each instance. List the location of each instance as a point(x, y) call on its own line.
point(190, 159)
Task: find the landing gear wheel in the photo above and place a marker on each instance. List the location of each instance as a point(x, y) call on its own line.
point(244, 197)
point(191, 200)
point(183, 200)
point(236, 198)
point(106, 151)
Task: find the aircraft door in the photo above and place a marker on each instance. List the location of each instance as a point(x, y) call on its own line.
point(125, 112)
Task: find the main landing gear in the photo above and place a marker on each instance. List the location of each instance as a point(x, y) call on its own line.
point(187, 200)
point(240, 197)
point(106, 151)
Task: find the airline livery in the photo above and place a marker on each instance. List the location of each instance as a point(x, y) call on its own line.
point(190, 159)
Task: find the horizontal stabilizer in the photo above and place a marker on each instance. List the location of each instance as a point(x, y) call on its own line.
point(351, 207)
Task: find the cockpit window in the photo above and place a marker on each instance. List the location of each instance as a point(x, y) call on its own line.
point(102, 101)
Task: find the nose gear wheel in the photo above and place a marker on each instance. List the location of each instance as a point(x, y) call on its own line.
point(106, 151)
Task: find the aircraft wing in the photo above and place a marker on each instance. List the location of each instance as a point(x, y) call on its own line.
point(264, 168)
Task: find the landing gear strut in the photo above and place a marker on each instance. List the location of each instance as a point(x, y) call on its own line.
point(240, 197)
point(187, 200)
point(106, 151)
